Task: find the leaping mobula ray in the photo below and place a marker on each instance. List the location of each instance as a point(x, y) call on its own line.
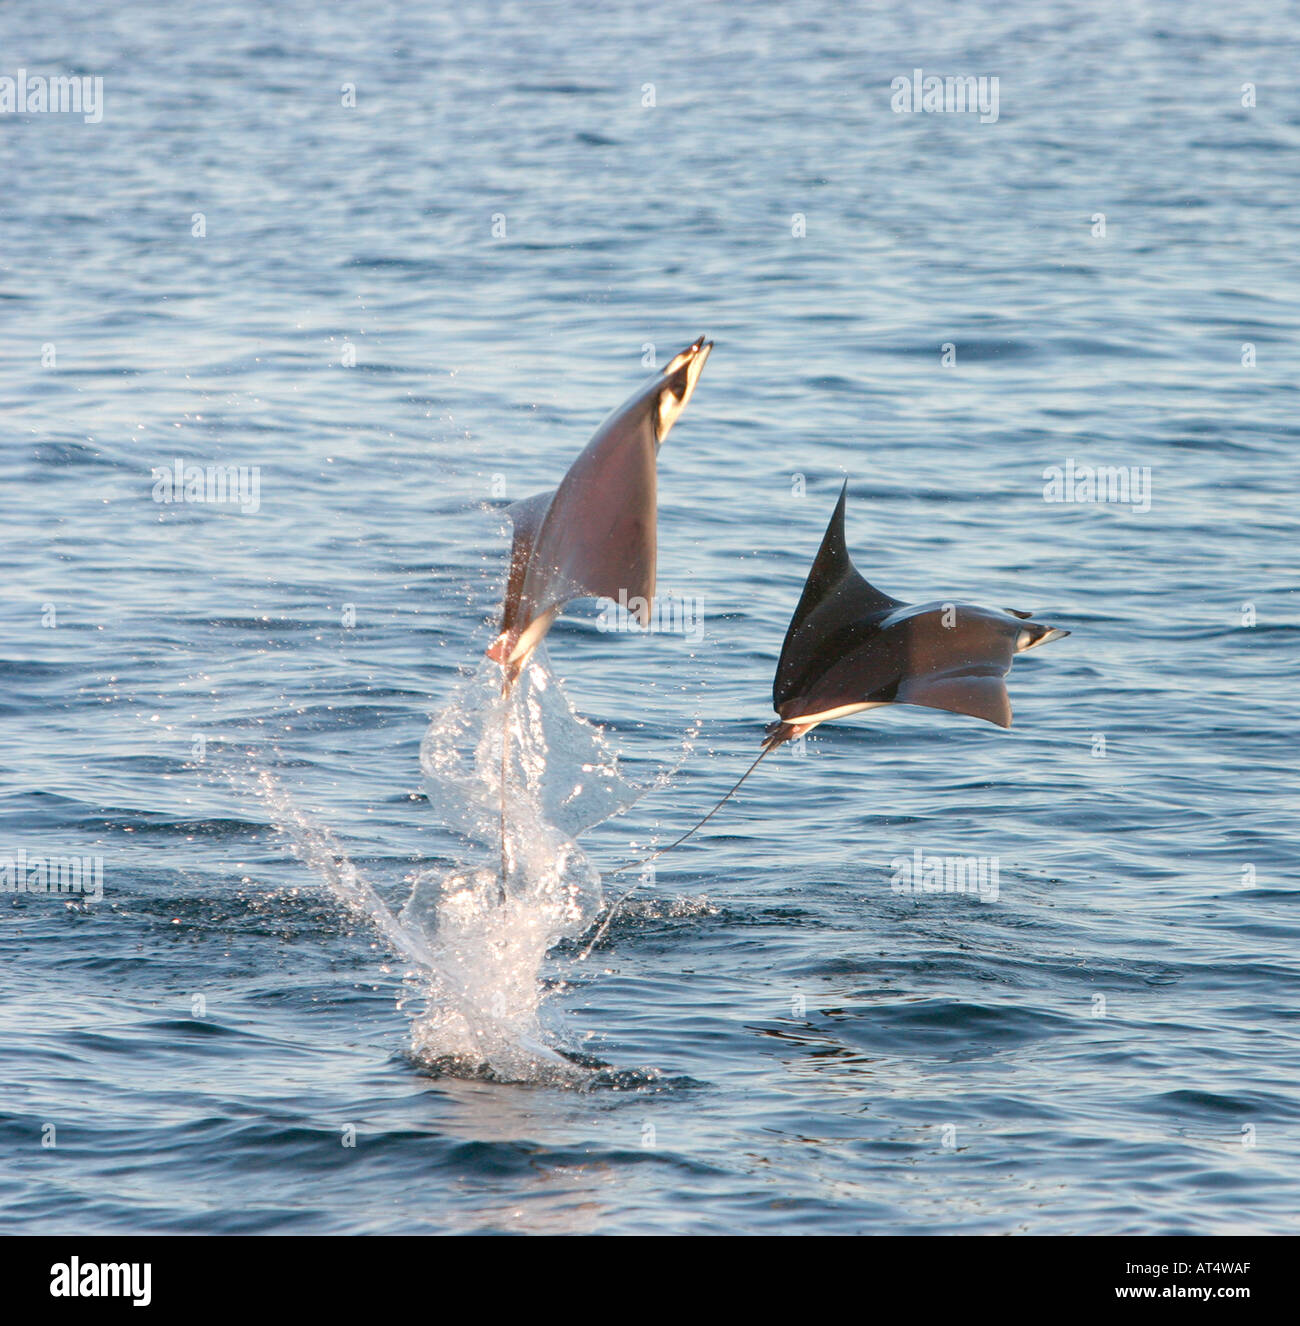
point(595, 536)
point(850, 647)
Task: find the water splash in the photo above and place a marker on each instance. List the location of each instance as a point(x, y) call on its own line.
point(476, 961)
point(562, 777)
point(561, 765)
point(316, 847)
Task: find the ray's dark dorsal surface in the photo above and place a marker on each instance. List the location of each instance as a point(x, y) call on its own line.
point(851, 647)
point(596, 534)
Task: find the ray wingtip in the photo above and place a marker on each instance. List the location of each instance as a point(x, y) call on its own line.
point(836, 522)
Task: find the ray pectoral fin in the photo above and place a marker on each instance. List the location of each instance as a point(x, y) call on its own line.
point(621, 566)
point(979, 694)
point(598, 537)
point(526, 516)
point(834, 609)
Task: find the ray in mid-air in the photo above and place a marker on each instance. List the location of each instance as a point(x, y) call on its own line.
point(850, 647)
point(595, 536)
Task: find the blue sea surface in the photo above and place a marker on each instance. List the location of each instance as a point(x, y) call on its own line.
point(408, 311)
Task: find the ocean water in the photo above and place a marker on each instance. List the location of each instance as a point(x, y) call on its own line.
point(297, 1006)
